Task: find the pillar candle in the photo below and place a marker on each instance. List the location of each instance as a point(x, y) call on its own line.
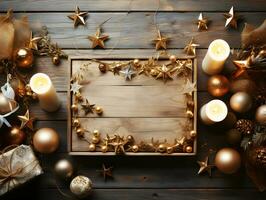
point(214, 111)
point(215, 57)
point(42, 85)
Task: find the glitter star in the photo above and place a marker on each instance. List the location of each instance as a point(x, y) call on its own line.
point(160, 41)
point(189, 88)
point(26, 120)
point(231, 18)
point(205, 167)
point(34, 42)
point(78, 17)
point(202, 22)
point(75, 87)
point(97, 39)
point(128, 73)
point(190, 49)
point(87, 107)
point(164, 73)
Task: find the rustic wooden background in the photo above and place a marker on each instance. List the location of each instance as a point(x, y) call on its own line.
point(136, 177)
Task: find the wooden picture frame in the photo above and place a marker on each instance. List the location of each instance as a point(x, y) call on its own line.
point(77, 147)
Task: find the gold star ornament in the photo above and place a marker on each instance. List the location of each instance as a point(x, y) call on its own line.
point(190, 49)
point(160, 41)
point(75, 87)
point(164, 73)
point(106, 172)
point(202, 22)
point(241, 67)
point(78, 17)
point(26, 120)
point(189, 88)
point(98, 39)
point(231, 18)
point(34, 42)
point(205, 167)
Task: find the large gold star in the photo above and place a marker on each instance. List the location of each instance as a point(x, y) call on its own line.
point(164, 73)
point(26, 120)
point(97, 39)
point(78, 17)
point(242, 66)
point(205, 167)
point(231, 18)
point(160, 41)
point(34, 42)
point(190, 49)
point(202, 22)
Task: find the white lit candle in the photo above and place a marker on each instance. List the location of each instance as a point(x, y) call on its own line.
point(214, 111)
point(215, 57)
point(42, 85)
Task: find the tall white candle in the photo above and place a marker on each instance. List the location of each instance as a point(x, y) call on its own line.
point(214, 111)
point(215, 57)
point(42, 85)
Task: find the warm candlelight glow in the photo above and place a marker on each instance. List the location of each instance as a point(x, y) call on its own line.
point(40, 83)
point(219, 49)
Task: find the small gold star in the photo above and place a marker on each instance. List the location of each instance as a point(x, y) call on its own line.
point(34, 42)
point(75, 87)
point(26, 120)
point(97, 39)
point(189, 88)
point(106, 172)
point(242, 66)
point(202, 22)
point(118, 143)
point(87, 107)
point(116, 68)
point(78, 17)
point(160, 41)
point(190, 49)
point(231, 18)
point(164, 73)
point(205, 167)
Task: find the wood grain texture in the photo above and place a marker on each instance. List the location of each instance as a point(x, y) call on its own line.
point(134, 5)
point(137, 29)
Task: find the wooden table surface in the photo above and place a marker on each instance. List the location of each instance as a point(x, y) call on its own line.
point(131, 33)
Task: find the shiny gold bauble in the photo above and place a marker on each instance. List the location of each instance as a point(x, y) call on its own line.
point(74, 108)
point(64, 168)
point(130, 139)
point(46, 140)
point(99, 110)
point(102, 67)
point(23, 58)
point(95, 140)
point(161, 148)
point(172, 58)
point(78, 97)
point(80, 132)
point(241, 102)
point(243, 85)
point(136, 62)
point(6, 104)
point(56, 60)
point(218, 85)
point(96, 133)
point(15, 136)
point(154, 72)
point(261, 114)
point(104, 148)
point(193, 133)
point(169, 150)
point(92, 147)
point(188, 149)
point(135, 148)
point(228, 160)
point(76, 123)
point(189, 114)
point(81, 186)
point(233, 137)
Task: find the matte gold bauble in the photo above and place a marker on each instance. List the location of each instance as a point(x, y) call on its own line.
point(228, 160)
point(193, 133)
point(243, 85)
point(56, 60)
point(218, 85)
point(188, 149)
point(154, 72)
point(99, 110)
point(80, 132)
point(23, 58)
point(136, 63)
point(172, 58)
point(92, 147)
point(241, 102)
point(6, 105)
point(169, 150)
point(261, 114)
point(64, 168)
point(81, 186)
point(46, 140)
point(15, 136)
point(233, 137)
point(74, 108)
point(161, 148)
point(104, 148)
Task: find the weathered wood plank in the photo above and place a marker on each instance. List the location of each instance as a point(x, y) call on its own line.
point(137, 29)
point(145, 194)
point(133, 5)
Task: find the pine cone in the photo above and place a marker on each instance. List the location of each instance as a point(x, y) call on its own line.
point(257, 157)
point(245, 126)
point(260, 98)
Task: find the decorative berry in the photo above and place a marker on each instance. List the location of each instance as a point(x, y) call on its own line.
point(245, 126)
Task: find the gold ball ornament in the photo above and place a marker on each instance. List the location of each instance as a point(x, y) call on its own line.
point(15, 136)
point(23, 58)
point(76, 123)
point(193, 133)
point(135, 148)
point(189, 114)
point(56, 60)
point(169, 150)
point(6, 105)
point(228, 160)
point(136, 63)
point(241, 102)
point(218, 85)
point(74, 108)
point(64, 169)
point(81, 186)
point(46, 140)
point(102, 67)
point(188, 149)
point(130, 139)
point(154, 72)
point(95, 140)
point(261, 115)
point(172, 58)
point(80, 132)
point(99, 110)
point(104, 148)
point(92, 147)
point(161, 148)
